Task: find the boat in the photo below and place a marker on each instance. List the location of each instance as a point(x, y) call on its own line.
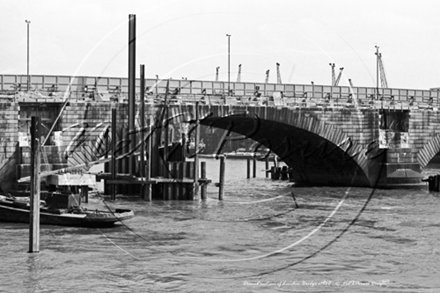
point(241, 153)
point(16, 209)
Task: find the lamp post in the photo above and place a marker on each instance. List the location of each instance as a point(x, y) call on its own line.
point(28, 22)
point(377, 72)
point(229, 64)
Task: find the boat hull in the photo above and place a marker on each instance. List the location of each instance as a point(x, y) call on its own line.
point(93, 219)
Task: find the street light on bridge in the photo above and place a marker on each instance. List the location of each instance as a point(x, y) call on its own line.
point(28, 22)
point(229, 63)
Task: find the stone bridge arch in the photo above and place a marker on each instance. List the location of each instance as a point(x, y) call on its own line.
point(322, 147)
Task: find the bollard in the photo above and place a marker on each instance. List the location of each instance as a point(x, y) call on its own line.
point(255, 166)
point(248, 168)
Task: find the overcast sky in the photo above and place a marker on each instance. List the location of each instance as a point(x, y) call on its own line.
point(188, 39)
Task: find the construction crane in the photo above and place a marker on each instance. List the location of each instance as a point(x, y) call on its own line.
point(278, 74)
point(239, 73)
point(333, 73)
point(267, 76)
point(339, 76)
point(380, 70)
point(335, 80)
point(350, 82)
point(216, 73)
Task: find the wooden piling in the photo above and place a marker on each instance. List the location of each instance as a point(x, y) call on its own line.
point(203, 176)
point(34, 221)
point(84, 193)
point(267, 166)
point(181, 188)
point(142, 133)
point(175, 187)
point(148, 195)
point(196, 157)
point(284, 173)
point(106, 165)
point(437, 183)
point(113, 161)
point(222, 178)
point(190, 188)
point(272, 172)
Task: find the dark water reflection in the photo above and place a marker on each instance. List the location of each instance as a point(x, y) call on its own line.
point(256, 240)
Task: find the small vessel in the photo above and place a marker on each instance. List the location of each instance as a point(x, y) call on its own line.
point(16, 209)
point(241, 153)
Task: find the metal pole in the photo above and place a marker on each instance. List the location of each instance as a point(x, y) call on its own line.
point(229, 63)
point(131, 89)
point(28, 83)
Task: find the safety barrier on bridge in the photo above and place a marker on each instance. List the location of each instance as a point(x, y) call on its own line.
point(14, 87)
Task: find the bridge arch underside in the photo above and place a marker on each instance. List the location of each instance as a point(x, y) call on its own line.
point(313, 159)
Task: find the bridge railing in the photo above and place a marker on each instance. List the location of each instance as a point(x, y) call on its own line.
point(106, 88)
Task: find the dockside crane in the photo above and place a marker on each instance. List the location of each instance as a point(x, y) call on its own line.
point(239, 73)
point(267, 76)
point(216, 72)
point(278, 74)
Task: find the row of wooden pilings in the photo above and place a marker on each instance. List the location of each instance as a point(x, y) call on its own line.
point(276, 172)
point(164, 173)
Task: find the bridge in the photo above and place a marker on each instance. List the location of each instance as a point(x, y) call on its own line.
point(350, 137)
point(337, 146)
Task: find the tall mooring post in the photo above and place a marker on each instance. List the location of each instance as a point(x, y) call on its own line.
point(34, 221)
point(131, 90)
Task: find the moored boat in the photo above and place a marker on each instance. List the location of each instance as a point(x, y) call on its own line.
point(241, 153)
point(17, 210)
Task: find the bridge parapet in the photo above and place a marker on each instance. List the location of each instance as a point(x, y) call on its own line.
point(105, 88)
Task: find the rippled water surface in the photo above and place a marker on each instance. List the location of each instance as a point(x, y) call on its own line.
point(256, 240)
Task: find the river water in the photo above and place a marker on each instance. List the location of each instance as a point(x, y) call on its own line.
point(260, 238)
